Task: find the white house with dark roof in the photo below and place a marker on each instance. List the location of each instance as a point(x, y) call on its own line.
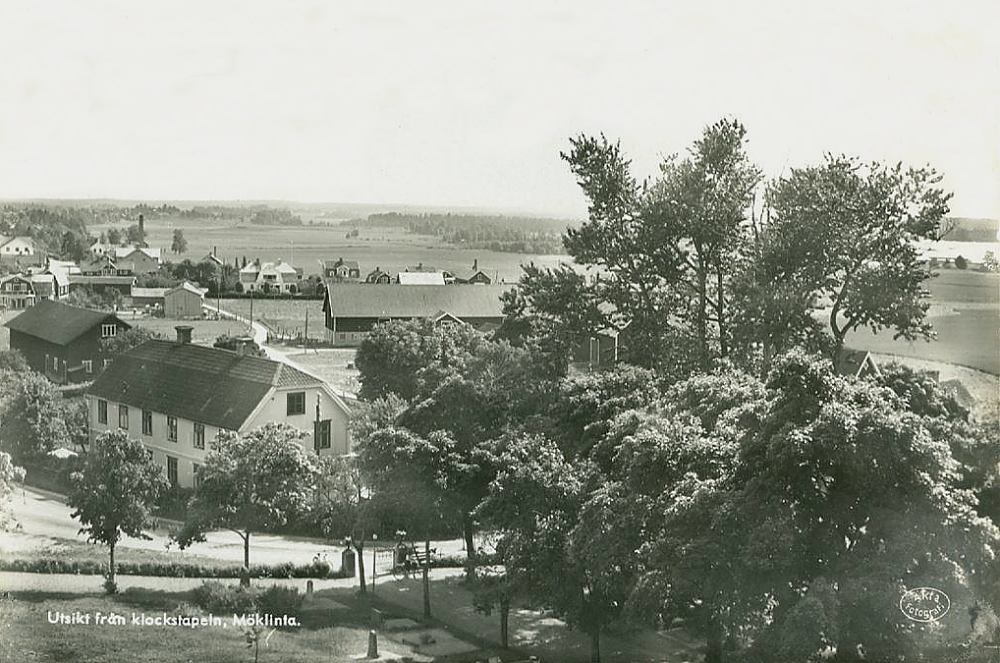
point(175, 397)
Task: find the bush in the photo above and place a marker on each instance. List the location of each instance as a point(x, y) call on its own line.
point(168, 569)
point(961, 263)
point(279, 601)
point(222, 598)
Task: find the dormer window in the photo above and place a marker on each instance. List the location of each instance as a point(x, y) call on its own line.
point(108, 331)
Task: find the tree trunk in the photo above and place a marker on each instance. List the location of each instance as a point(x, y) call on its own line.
point(468, 530)
point(111, 565)
point(427, 579)
point(245, 578)
point(359, 548)
point(721, 296)
point(702, 319)
point(714, 652)
point(504, 620)
point(595, 645)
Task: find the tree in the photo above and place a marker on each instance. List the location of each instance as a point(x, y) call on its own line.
point(178, 244)
point(844, 233)
point(990, 263)
point(136, 235)
point(250, 482)
point(342, 506)
point(666, 251)
point(10, 474)
point(119, 343)
point(961, 262)
point(31, 421)
point(13, 361)
point(114, 492)
point(114, 236)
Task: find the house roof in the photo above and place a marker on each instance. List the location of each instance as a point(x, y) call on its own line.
point(59, 323)
point(420, 278)
point(126, 251)
point(340, 262)
point(362, 300)
point(101, 280)
point(23, 238)
point(186, 286)
point(149, 293)
point(206, 385)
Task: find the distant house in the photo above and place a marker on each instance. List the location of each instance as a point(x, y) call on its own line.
point(378, 276)
point(276, 277)
point(50, 285)
point(101, 249)
point(351, 310)
point(19, 251)
point(152, 297)
point(101, 284)
point(16, 292)
point(477, 277)
point(63, 342)
point(105, 265)
point(139, 260)
point(341, 270)
point(420, 278)
point(183, 301)
point(176, 397)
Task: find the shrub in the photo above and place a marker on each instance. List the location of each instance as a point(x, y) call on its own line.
point(276, 600)
point(961, 262)
point(166, 569)
point(222, 598)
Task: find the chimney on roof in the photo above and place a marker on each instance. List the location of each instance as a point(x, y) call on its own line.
point(475, 265)
point(142, 223)
point(184, 334)
point(242, 345)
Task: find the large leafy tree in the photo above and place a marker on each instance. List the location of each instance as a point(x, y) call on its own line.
point(114, 492)
point(250, 482)
point(342, 506)
point(840, 498)
point(10, 475)
point(32, 421)
point(844, 233)
point(662, 254)
point(178, 243)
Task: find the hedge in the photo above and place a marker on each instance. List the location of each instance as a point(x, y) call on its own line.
point(169, 569)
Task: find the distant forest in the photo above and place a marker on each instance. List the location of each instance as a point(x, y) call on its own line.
point(511, 234)
point(971, 230)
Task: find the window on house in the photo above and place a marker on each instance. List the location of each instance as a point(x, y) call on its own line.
point(108, 330)
point(123, 416)
point(195, 468)
point(199, 436)
point(55, 364)
point(323, 434)
point(172, 428)
point(147, 422)
point(88, 365)
point(172, 470)
point(296, 403)
point(102, 412)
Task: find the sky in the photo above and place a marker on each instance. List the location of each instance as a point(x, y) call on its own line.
point(470, 103)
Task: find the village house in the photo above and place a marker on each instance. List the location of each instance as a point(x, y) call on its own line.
point(16, 292)
point(63, 342)
point(176, 397)
point(138, 260)
point(183, 301)
point(19, 252)
point(351, 310)
point(270, 277)
point(341, 270)
point(378, 276)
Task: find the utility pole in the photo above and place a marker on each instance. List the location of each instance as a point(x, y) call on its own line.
point(305, 337)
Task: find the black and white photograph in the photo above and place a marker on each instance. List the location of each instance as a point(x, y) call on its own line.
point(499, 332)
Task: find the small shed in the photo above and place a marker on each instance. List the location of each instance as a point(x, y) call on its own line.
point(183, 301)
point(142, 297)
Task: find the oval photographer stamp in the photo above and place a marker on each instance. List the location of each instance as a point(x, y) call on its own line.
point(924, 604)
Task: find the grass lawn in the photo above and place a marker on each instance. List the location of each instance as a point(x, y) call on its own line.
point(288, 316)
point(15, 546)
point(27, 633)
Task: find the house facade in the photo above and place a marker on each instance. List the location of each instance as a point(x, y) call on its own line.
point(269, 277)
point(378, 276)
point(16, 292)
point(183, 301)
point(63, 342)
point(176, 397)
point(138, 260)
point(19, 251)
point(352, 310)
point(341, 270)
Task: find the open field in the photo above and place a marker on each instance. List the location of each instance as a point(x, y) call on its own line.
point(331, 365)
point(28, 635)
point(204, 333)
point(304, 246)
point(966, 316)
point(286, 315)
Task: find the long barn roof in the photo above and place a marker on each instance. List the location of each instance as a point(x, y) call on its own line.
point(60, 323)
point(367, 300)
